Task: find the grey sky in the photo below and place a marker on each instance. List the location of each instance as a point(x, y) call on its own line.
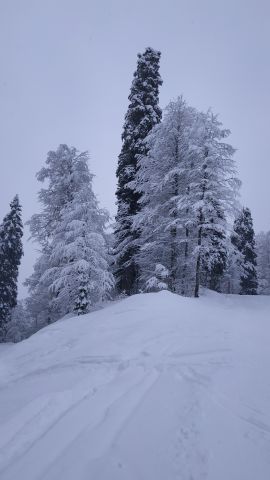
point(66, 70)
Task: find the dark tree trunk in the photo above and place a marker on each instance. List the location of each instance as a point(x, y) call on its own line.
point(198, 265)
point(173, 260)
point(185, 263)
point(201, 219)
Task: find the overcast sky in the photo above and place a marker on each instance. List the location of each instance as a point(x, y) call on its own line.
point(66, 71)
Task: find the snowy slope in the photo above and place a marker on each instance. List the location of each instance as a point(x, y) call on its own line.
point(155, 387)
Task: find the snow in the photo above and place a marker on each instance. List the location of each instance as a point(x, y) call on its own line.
point(152, 387)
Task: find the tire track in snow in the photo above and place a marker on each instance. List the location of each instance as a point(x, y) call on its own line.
point(78, 420)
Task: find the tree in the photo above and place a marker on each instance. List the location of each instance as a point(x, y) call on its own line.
point(61, 175)
point(72, 271)
point(161, 181)
point(11, 251)
point(212, 197)
point(21, 325)
point(215, 259)
point(38, 301)
point(188, 189)
point(142, 115)
point(78, 272)
point(263, 262)
point(230, 279)
point(159, 280)
point(243, 239)
point(63, 180)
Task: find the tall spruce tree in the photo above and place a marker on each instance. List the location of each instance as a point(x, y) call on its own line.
point(11, 251)
point(243, 238)
point(142, 115)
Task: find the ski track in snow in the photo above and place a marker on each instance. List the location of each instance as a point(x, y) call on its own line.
point(153, 387)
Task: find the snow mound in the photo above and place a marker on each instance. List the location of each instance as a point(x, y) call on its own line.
point(155, 386)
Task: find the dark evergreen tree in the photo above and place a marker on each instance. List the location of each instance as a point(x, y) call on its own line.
point(243, 239)
point(142, 115)
point(11, 251)
point(215, 259)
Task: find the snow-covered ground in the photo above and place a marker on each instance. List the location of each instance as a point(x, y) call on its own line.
point(154, 387)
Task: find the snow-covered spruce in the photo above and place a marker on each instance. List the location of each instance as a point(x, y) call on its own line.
point(78, 265)
point(243, 239)
point(61, 180)
point(11, 251)
point(72, 272)
point(143, 113)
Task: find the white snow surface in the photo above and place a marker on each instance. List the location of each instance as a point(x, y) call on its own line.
point(153, 387)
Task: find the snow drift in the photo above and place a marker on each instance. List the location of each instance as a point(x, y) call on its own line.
point(153, 387)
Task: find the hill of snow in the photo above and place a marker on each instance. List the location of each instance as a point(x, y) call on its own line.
point(154, 387)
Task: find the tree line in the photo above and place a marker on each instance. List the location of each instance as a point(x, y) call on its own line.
point(179, 223)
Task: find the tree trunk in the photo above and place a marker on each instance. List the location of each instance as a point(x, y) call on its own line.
point(173, 259)
point(198, 266)
point(185, 264)
point(201, 219)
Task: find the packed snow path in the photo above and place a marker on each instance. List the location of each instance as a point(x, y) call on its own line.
point(154, 387)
